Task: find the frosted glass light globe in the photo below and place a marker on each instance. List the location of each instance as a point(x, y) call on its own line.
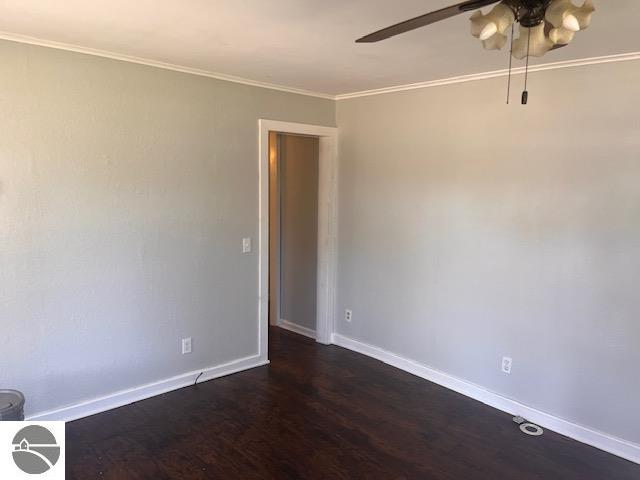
point(488, 31)
point(570, 22)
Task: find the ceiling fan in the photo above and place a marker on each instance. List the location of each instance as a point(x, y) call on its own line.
point(544, 25)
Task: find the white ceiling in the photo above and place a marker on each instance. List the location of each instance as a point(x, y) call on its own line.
point(304, 44)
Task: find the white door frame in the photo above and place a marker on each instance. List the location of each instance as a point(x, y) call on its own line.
point(327, 226)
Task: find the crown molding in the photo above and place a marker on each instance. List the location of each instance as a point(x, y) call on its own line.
point(624, 57)
point(14, 37)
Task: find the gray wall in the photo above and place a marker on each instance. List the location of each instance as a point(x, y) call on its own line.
point(470, 230)
point(299, 228)
point(125, 192)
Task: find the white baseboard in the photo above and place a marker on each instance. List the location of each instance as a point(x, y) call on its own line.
point(602, 441)
point(125, 397)
point(294, 327)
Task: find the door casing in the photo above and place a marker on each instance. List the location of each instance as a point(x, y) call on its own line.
point(327, 227)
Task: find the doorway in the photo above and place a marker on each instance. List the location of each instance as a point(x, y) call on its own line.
point(293, 231)
point(325, 232)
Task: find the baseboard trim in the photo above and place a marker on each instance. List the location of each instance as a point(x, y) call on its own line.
point(616, 446)
point(125, 397)
point(294, 327)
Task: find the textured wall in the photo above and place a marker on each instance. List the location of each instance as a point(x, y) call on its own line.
point(470, 230)
point(125, 192)
point(299, 228)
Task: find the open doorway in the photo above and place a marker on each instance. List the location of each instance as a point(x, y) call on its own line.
point(325, 235)
point(293, 231)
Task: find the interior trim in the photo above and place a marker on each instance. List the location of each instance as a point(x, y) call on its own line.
point(295, 328)
point(142, 392)
point(623, 57)
point(327, 226)
point(616, 446)
point(13, 37)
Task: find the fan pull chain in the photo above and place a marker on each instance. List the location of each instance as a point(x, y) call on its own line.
point(525, 94)
point(510, 64)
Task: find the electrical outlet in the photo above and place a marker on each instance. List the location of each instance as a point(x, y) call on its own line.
point(506, 364)
point(186, 345)
point(246, 245)
point(347, 315)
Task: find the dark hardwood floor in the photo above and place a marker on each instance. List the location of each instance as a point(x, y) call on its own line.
point(319, 412)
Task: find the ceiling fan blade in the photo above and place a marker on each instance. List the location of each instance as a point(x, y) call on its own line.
point(426, 19)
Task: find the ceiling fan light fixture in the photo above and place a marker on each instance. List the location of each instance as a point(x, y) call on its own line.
point(563, 13)
point(488, 31)
point(495, 42)
point(544, 25)
point(491, 28)
point(536, 46)
point(561, 36)
point(584, 14)
point(570, 22)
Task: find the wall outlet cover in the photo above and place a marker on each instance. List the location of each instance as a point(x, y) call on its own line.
point(506, 364)
point(186, 345)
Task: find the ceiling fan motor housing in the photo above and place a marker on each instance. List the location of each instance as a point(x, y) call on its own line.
point(529, 13)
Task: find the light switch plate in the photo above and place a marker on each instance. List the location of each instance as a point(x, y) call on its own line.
point(246, 245)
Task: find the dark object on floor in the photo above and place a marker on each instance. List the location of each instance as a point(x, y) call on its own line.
point(11, 406)
point(319, 412)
